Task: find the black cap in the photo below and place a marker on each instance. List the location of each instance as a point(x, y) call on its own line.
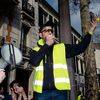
point(48, 23)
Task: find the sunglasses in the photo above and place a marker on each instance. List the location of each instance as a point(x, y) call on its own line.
point(47, 30)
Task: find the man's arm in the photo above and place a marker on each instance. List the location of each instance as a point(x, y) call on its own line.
point(75, 49)
point(37, 56)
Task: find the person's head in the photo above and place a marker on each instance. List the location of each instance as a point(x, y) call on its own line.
point(46, 29)
point(14, 85)
point(1, 89)
point(2, 75)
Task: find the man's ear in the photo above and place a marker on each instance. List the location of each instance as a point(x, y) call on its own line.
point(11, 89)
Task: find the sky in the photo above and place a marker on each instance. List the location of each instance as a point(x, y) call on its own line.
point(75, 18)
point(53, 3)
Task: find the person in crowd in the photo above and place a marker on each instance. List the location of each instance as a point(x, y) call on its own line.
point(17, 92)
point(2, 75)
point(1, 92)
point(79, 95)
point(99, 94)
point(51, 76)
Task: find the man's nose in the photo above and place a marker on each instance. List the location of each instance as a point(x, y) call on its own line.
point(49, 32)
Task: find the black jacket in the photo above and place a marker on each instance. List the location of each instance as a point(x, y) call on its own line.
point(71, 51)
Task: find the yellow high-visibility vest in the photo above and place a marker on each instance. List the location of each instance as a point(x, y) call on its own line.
point(79, 97)
point(60, 70)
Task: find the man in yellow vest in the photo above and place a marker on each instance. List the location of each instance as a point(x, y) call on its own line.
point(51, 79)
point(99, 94)
point(79, 96)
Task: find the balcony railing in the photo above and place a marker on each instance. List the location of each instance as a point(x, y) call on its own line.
point(25, 51)
point(28, 8)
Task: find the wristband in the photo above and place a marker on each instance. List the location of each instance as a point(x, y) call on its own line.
point(91, 33)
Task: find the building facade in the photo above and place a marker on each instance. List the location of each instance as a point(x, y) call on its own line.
point(97, 57)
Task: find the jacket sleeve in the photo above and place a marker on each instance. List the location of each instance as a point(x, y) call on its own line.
point(37, 56)
point(75, 49)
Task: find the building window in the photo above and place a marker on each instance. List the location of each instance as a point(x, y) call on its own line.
point(72, 39)
point(75, 39)
point(24, 4)
point(50, 18)
point(24, 32)
point(81, 62)
point(42, 16)
point(28, 8)
point(55, 29)
point(79, 67)
point(76, 63)
point(45, 15)
point(83, 67)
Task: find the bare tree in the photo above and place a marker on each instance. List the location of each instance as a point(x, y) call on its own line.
point(90, 67)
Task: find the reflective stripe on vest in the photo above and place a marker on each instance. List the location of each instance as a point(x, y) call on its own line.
point(61, 76)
